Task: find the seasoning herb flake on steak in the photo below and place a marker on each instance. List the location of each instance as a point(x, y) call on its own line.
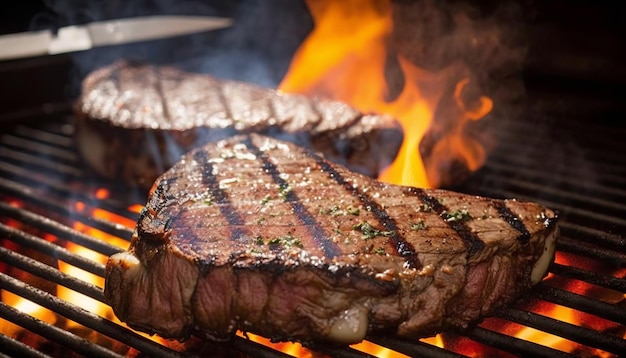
point(276, 240)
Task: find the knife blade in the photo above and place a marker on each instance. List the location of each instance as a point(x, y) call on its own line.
point(105, 33)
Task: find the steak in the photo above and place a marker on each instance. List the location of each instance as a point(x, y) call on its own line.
point(258, 234)
point(135, 120)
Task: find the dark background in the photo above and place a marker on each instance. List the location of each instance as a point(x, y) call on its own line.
point(573, 63)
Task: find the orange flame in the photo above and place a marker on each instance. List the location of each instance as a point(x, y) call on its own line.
point(292, 349)
point(72, 296)
point(344, 58)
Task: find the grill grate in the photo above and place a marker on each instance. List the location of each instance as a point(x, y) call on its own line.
point(46, 198)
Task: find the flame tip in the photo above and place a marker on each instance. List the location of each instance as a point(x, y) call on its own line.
point(346, 60)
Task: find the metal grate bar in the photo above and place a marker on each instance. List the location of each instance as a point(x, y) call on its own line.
point(597, 138)
point(49, 248)
point(511, 344)
point(67, 339)
point(617, 284)
point(584, 336)
point(37, 179)
point(18, 349)
point(85, 318)
point(60, 140)
point(616, 258)
point(57, 186)
point(601, 309)
point(72, 169)
point(253, 349)
point(29, 195)
point(601, 146)
point(566, 196)
point(62, 172)
point(413, 348)
point(60, 154)
point(609, 207)
point(19, 157)
point(599, 129)
point(58, 229)
point(509, 170)
point(540, 163)
point(609, 162)
point(597, 237)
point(42, 270)
point(62, 124)
point(341, 352)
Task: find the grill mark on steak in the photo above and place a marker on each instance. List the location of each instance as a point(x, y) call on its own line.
point(235, 221)
point(329, 248)
point(513, 220)
point(473, 243)
point(404, 248)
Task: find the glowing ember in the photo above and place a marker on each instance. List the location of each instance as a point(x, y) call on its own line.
point(79, 299)
point(105, 215)
point(26, 306)
point(435, 341)
point(102, 193)
point(344, 58)
point(135, 208)
point(377, 351)
point(293, 349)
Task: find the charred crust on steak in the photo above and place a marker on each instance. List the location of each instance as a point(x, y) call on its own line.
point(155, 231)
point(329, 248)
point(513, 220)
point(550, 219)
point(403, 248)
point(235, 221)
point(474, 244)
point(211, 273)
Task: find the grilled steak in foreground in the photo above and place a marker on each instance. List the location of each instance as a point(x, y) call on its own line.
point(260, 235)
point(135, 120)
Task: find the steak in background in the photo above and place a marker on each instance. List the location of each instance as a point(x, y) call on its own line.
point(135, 121)
point(261, 235)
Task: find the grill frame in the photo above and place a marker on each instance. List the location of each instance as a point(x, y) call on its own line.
point(40, 155)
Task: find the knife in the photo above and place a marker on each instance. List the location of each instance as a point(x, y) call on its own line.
point(104, 33)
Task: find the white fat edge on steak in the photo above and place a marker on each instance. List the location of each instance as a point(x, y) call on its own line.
point(540, 268)
point(548, 237)
point(350, 326)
